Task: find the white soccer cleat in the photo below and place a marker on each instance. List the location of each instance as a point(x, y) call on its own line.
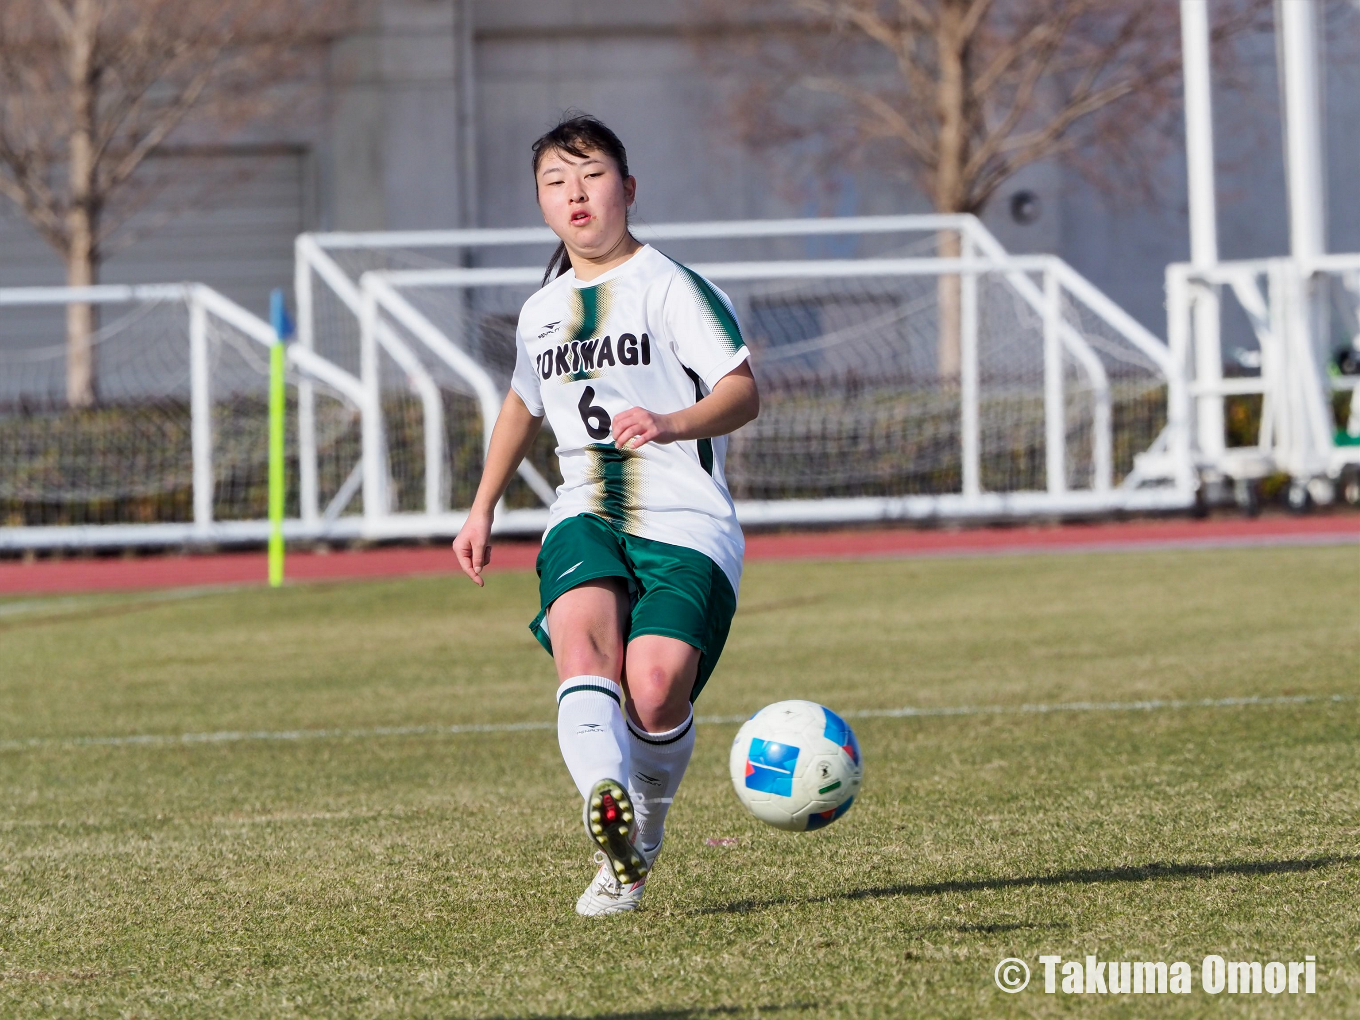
point(606, 895)
point(608, 818)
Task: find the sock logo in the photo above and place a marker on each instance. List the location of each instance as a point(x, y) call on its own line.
point(642, 777)
point(586, 728)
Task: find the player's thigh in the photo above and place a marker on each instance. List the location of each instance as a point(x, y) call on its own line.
point(588, 624)
point(660, 676)
point(686, 598)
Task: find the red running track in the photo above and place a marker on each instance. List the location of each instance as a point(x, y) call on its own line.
point(192, 571)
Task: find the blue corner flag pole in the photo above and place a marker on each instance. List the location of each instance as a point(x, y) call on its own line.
point(283, 330)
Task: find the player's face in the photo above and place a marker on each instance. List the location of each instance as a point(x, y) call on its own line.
point(585, 200)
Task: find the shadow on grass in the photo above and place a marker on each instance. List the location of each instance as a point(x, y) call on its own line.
point(1135, 873)
point(695, 1013)
point(996, 929)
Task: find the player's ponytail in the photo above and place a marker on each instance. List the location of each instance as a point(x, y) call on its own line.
point(576, 133)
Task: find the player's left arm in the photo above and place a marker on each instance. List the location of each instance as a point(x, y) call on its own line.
point(733, 402)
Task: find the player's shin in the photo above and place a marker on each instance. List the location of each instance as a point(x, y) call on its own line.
point(591, 731)
point(658, 764)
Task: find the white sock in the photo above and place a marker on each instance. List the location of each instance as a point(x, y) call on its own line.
point(591, 731)
point(659, 762)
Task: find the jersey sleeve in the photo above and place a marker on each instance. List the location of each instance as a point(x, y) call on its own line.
point(524, 379)
point(703, 327)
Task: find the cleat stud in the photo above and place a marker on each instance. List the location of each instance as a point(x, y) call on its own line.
point(598, 830)
point(628, 816)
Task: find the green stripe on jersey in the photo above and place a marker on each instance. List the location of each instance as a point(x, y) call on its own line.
point(617, 479)
point(705, 446)
point(589, 308)
point(719, 316)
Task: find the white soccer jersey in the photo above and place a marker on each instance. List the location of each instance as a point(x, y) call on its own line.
point(649, 333)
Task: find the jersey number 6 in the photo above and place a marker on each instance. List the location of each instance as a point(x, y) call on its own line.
point(595, 417)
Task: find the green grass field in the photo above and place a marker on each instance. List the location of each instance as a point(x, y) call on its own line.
point(433, 874)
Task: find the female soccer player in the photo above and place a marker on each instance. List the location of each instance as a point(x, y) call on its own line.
point(639, 366)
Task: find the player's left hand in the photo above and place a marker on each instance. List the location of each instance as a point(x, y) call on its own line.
point(638, 426)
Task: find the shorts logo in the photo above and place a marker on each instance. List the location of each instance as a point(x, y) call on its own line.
point(589, 727)
point(769, 767)
point(568, 570)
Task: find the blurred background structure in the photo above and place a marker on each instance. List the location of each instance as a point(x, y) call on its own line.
point(421, 113)
point(152, 141)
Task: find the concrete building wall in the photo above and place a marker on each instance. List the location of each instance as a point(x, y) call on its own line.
point(395, 151)
point(233, 229)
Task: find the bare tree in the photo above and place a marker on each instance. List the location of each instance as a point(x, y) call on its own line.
point(92, 89)
point(958, 95)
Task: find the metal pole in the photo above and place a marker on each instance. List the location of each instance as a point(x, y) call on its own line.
point(1055, 418)
point(1177, 377)
point(200, 413)
point(1297, 24)
point(375, 464)
point(1199, 160)
point(968, 375)
point(1306, 316)
point(306, 337)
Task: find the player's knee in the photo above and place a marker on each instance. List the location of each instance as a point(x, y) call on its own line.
point(651, 679)
point(659, 691)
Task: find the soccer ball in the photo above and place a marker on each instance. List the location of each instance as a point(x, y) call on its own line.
point(796, 765)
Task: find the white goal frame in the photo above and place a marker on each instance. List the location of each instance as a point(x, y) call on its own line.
point(1163, 478)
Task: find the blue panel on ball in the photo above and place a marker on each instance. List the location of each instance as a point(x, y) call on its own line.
point(824, 818)
point(838, 731)
point(769, 767)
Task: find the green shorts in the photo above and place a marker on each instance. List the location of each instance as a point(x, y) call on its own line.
point(676, 592)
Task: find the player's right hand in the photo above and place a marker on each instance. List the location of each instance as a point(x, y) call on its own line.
point(473, 546)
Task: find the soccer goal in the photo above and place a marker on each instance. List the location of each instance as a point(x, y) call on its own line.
point(174, 447)
point(1287, 405)
point(895, 383)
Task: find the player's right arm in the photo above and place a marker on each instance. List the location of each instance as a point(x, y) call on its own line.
point(516, 428)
